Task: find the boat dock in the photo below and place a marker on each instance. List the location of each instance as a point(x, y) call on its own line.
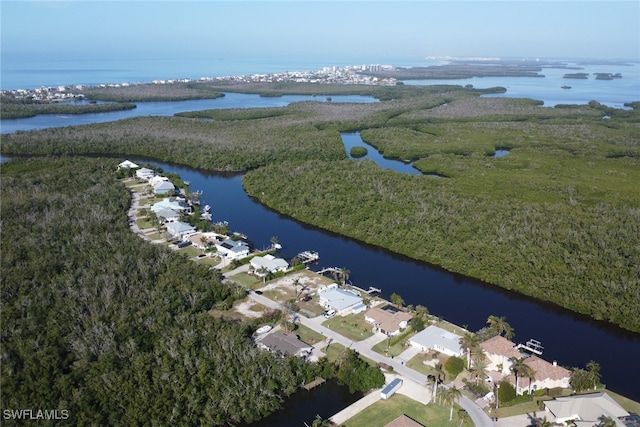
point(370, 291)
point(318, 381)
point(531, 346)
point(308, 257)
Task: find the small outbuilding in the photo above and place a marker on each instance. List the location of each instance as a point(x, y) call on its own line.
point(390, 389)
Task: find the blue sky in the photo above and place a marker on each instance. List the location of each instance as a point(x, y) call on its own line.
point(508, 29)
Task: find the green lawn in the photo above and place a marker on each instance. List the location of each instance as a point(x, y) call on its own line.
point(246, 280)
point(351, 326)
point(308, 335)
point(416, 363)
point(384, 411)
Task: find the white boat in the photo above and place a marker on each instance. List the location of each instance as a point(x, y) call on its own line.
point(263, 329)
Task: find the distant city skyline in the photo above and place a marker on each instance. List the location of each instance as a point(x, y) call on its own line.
point(329, 29)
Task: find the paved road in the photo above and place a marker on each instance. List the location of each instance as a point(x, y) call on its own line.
point(478, 416)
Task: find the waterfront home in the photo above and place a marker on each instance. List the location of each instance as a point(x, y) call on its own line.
point(268, 263)
point(233, 249)
point(167, 203)
point(180, 230)
point(164, 187)
point(343, 302)
point(127, 164)
point(547, 375)
point(498, 351)
point(145, 173)
point(388, 319)
point(585, 410)
point(203, 240)
point(167, 215)
point(438, 339)
point(285, 344)
point(157, 179)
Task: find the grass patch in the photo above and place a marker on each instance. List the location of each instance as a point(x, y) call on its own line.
point(189, 251)
point(385, 411)
point(246, 280)
point(308, 335)
point(416, 363)
point(352, 326)
point(144, 223)
point(519, 409)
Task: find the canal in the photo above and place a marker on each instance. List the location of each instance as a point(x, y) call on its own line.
point(568, 338)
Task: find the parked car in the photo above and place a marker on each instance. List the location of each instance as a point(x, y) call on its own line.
point(258, 292)
point(329, 314)
point(307, 298)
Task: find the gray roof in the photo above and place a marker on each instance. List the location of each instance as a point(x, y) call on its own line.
point(438, 338)
point(285, 344)
point(339, 299)
point(179, 227)
point(167, 213)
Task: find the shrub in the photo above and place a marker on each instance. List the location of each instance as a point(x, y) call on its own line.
point(506, 392)
point(454, 365)
point(358, 151)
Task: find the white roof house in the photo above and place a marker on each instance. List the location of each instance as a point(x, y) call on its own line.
point(164, 187)
point(437, 339)
point(343, 302)
point(157, 179)
point(167, 215)
point(233, 249)
point(145, 173)
point(180, 229)
point(269, 263)
point(127, 164)
point(586, 410)
point(170, 204)
point(387, 320)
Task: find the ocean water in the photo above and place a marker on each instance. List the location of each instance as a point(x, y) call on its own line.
point(21, 71)
point(27, 72)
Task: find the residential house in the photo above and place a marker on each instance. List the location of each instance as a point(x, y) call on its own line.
point(404, 421)
point(127, 164)
point(167, 203)
point(286, 344)
point(157, 179)
point(547, 375)
point(233, 249)
point(164, 187)
point(268, 263)
point(180, 230)
point(145, 173)
point(197, 240)
point(585, 410)
point(499, 351)
point(435, 338)
point(343, 302)
point(388, 319)
point(167, 215)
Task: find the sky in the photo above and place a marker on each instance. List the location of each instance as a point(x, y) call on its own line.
point(505, 29)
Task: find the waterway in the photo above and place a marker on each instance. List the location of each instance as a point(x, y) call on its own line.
point(569, 338)
point(169, 108)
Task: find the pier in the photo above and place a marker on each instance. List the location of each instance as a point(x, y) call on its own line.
point(318, 381)
point(308, 257)
point(531, 346)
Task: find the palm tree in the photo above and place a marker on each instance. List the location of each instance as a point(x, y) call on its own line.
point(467, 342)
point(478, 369)
point(440, 372)
point(296, 283)
point(519, 369)
point(274, 242)
point(531, 374)
point(397, 300)
point(344, 274)
point(500, 325)
point(543, 422)
point(593, 368)
point(451, 395)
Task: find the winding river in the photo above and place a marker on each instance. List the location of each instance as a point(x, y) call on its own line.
point(568, 338)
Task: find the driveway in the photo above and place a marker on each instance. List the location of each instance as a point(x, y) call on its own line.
point(478, 416)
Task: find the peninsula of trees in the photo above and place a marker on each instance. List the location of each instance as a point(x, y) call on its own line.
point(557, 219)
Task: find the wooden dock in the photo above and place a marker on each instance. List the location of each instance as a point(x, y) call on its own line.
point(315, 383)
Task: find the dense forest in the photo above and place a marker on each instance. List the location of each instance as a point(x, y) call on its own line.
point(15, 109)
point(112, 329)
point(557, 218)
